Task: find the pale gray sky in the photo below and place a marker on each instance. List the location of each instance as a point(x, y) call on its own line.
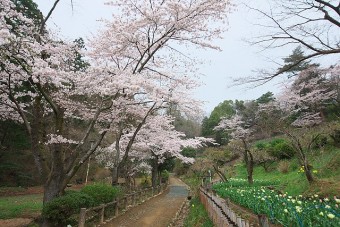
point(237, 58)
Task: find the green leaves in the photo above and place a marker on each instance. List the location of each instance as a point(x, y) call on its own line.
point(282, 208)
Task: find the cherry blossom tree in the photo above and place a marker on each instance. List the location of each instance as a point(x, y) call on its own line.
point(135, 71)
point(239, 129)
point(156, 141)
point(299, 110)
point(38, 83)
point(140, 45)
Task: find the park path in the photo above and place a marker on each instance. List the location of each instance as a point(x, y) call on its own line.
point(156, 212)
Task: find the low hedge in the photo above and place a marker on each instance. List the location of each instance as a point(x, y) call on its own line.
point(101, 193)
point(60, 209)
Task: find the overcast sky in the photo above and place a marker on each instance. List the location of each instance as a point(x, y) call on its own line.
point(237, 58)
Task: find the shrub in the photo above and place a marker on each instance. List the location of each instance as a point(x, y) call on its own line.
point(101, 193)
point(262, 145)
point(320, 142)
point(283, 166)
point(164, 176)
point(60, 209)
point(281, 150)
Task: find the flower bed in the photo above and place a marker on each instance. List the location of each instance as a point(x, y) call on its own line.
point(282, 208)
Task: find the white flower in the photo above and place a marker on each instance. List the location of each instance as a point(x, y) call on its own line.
point(327, 207)
point(331, 216)
point(321, 213)
point(285, 210)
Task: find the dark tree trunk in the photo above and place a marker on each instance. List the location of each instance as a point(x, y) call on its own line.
point(37, 139)
point(155, 172)
point(114, 176)
point(220, 174)
point(249, 160)
point(308, 172)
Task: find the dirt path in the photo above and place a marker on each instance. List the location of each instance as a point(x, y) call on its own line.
point(156, 212)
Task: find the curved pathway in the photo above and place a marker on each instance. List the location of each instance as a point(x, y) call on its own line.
point(156, 212)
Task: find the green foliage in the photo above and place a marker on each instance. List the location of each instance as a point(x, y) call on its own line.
point(13, 135)
point(278, 148)
point(189, 152)
point(165, 176)
point(292, 59)
point(239, 182)
point(282, 150)
point(283, 208)
point(61, 209)
point(168, 164)
point(78, 62)
point(224, 109)
point(101, 193)
point(197, 217)
point(266, 98)
point(261, 145)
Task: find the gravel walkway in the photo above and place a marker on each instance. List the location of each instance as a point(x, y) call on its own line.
point(156, 212)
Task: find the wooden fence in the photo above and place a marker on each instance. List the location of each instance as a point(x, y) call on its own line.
point(108, 211)
point(222, 215)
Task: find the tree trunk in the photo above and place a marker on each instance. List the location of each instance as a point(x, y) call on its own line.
point(249, 160)
point(308, 172)
point(114, 176)
point(220, 174)
point(154, 173)
point(37, 139)
point(53, 188)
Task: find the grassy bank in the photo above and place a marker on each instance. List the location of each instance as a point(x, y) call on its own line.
point(20, 206)
point(197, 217)
point(326, 168)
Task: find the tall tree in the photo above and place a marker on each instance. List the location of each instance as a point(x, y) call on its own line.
point(242, 130)
point(224, 109)
point(299, 109)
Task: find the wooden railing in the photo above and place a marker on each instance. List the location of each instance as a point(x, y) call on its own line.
point(222, 215)
point(102, 212)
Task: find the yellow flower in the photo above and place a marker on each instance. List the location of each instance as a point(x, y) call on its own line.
point(331, 216)
point(285, 210)
point(315, 171)
point(192, 205)
point(321, 213)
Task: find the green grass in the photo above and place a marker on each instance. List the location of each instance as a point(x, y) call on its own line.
point(20, 206)
point(327, 164)
point(197, 216)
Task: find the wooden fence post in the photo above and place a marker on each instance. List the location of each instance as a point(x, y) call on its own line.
point(125, 202)
point(263, 220)
point(134, 199)
point(117, 207)
point(82, 217)
point(102, 212)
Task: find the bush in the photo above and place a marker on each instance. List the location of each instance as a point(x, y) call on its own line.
point(101, 193)
point(165, 176)
point(283, 166)
point(60, 209)
point(261, 145)
point(320, 142)
point(281, 149)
